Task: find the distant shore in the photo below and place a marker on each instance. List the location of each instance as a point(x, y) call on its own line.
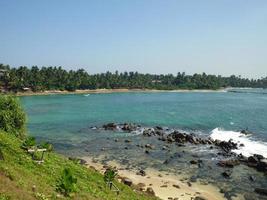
point(99, 91)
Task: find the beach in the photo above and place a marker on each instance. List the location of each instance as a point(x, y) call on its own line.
point(101, 91)
point(165, 185)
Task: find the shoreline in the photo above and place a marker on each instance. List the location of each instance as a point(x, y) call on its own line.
point(103, 91)
point(164, 184)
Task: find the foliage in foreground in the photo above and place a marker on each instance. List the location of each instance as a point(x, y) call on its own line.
point(12, 116)
point(67, 182)
point(21, 178)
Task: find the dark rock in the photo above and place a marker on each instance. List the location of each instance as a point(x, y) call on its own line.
point(127, 141)
point(148, 132)
point(150, 191)
point(259, 157)
point(159, 132)
point(129, 127)
point(262, 165)
point(176, 186)
point(245, 132)
point(226, 146)
point(262, 191)
point(141, 186)
point(228, 163)
point(146, 151)
point(110, 126)
point(158, 128)
point(253, 159)
point(127, 181)
point(252, 178)
point(226, 174)
point(193, 162)
point(141, 173)
point(164, 186)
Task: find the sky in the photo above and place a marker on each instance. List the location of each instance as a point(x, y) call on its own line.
point(149, 36)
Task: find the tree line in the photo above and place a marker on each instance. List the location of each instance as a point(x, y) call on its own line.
point(57, 78)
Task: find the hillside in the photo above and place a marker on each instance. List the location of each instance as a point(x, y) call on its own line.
point(22, 178)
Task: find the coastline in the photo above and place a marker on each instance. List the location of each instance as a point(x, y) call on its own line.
point(103, 91)
point(165, 185)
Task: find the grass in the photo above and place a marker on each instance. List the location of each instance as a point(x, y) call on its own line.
point(22, 178)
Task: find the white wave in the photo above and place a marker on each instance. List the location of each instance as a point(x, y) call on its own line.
point(250, 146)
point(86, 95)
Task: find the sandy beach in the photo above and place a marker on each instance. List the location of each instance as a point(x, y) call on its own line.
point(99, 91)
point(165, 185)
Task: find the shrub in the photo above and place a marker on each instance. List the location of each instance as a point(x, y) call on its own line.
point(46, 145)
point(67, 182)
point(29, 142)
point(109, 175)
point(12, 116)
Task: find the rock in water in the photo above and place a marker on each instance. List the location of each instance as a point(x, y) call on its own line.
point(262, 191)
point(227, 174)
point(110, 126)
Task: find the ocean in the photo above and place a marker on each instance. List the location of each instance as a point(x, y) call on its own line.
point(68, 122)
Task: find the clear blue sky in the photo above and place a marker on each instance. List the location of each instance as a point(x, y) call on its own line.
point(156, 36)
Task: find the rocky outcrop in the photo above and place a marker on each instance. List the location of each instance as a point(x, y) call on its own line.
point(110, 126)
point(127, 181)
point(226, 146)
point(129, 127)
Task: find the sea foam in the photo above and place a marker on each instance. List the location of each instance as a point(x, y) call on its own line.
point(250, 146)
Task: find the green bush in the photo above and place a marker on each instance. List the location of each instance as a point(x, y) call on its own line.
point(29, 142)
point(67, 182)
point(12, 116)
point(109, 175)
point(46, 145)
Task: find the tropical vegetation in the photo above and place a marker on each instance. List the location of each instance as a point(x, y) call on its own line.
point(57, 78)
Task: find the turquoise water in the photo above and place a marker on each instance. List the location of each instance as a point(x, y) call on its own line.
point(65, 121)
point(69, 116)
